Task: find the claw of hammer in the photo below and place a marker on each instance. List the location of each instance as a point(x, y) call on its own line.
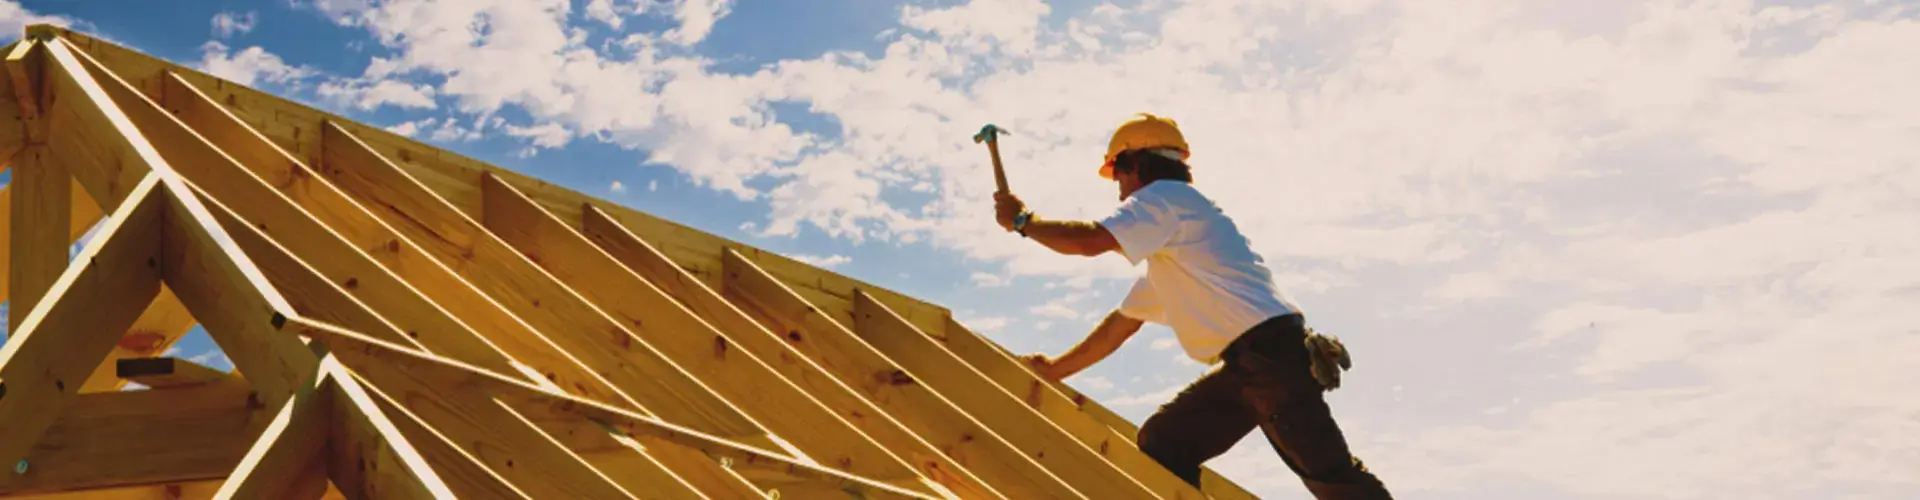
point(989, 133)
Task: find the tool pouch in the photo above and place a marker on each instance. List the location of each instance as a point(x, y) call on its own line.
point(1329, 358)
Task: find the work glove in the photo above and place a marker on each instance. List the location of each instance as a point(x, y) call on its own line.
point(1329, 358)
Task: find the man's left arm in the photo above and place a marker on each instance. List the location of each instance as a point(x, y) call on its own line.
point(1070, 237)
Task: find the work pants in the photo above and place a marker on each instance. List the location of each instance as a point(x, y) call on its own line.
point(1264, 381)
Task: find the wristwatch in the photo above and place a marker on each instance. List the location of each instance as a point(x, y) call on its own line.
point(1020, 222)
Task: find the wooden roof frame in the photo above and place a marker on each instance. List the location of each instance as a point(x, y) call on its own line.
point(407, 322)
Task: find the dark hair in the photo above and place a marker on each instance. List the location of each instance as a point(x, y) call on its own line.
point(1152, 166)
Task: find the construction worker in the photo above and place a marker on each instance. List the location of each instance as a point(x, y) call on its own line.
point(1206, 283)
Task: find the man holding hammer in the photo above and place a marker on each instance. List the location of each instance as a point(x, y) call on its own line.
point(1203, 280)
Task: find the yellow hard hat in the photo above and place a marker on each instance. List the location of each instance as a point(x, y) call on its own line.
point(1143, 131)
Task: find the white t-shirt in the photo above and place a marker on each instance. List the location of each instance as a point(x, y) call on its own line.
point(1203, 278)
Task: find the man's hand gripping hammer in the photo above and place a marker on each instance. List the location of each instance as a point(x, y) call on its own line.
point(990, 134)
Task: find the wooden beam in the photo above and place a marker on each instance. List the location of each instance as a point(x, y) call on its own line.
point(288, 456)
point(62, 338)
point(448, 293)
point(138, 437)
point(163, 323)
point(466, 476)
point(646, 379)
point(516, 452)
point(229, 295)
point(745, 334)
point(81, 217)
point(216, 282)
point(221, 286)
point(83, 143)
point(13, 120)
point(39, 241)
point(690, 342)
point(25, 67)
point(88, 134)
point(314, 294)
point(1073, 461)
point(934, 417)
point(168, 373)
point(537, 296)
point(185, 490)
point(308, 291)
point(500, 447)
point(495, 435)
point(637, 469)
point(380, 361)
point(1079, 415)
point(223, 178)
point(367, 455)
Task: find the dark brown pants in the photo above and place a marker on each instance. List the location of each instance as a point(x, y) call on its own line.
point(1263, 382)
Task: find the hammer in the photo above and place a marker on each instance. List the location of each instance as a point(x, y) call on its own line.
point(991, 135)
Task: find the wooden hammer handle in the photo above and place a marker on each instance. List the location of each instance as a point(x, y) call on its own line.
point(999, 172)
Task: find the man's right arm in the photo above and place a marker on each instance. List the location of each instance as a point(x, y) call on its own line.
point(1101, 342)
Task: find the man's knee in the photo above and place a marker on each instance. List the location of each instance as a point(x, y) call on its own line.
point(1318, 450)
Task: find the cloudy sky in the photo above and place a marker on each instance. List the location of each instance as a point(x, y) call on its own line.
point(1581, 249)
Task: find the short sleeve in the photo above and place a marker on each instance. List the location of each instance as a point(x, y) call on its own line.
point(1142, 303)
point(1142, 225)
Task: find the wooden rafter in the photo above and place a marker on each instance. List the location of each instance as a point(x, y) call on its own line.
point(406, 322)
point(384, 360)
point(71, 330)
point(976, 446)
point(689, 341)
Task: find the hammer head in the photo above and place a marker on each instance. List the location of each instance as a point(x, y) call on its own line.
point(989, 133)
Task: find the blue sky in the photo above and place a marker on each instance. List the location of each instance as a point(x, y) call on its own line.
point(1633, 249)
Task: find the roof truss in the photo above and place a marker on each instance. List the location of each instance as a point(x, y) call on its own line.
point(407, 322)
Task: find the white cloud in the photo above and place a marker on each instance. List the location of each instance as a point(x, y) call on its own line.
point(409, 128)
point(1154, 398)
point(444, 130)
point(339, 11)
point(250, 66)
point(987, 280)
point(14, 20)
point(617, 187)
point(546, 135)
point(697, 18)
point(1055, 309)
point(226, 24)
point(613, 13)
point(637, 94)
point(1095, 382)
point(980, 26)
point(988, 324)
point(829, 261)
point(368, 95)
point(1166, 343)
point(1064, 307)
